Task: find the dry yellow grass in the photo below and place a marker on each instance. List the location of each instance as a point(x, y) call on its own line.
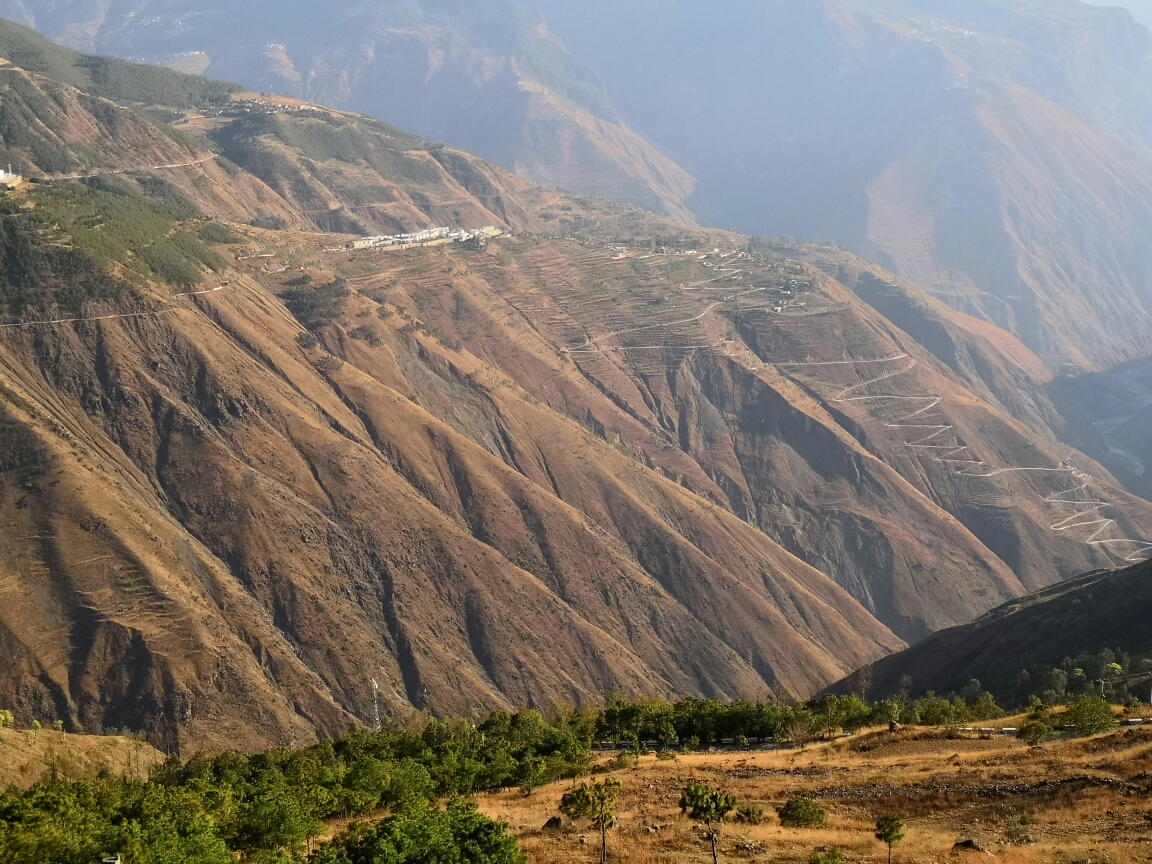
point(1076, 801)
point(25, 757)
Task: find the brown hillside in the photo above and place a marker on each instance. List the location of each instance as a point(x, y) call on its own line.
point(1074, 800)
point(481, 476)
point(27, 757)
point(1088, 614)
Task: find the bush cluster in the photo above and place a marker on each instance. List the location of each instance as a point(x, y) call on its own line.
point(1079, 677)
point(271, 806)
point(316, 307)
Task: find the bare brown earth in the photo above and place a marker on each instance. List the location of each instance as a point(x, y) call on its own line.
point(26, 756)
point(577, 459)
point(1074, 801)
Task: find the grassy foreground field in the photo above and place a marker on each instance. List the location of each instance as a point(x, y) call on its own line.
point(1084, 801)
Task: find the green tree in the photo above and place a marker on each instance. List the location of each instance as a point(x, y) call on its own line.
point(1037, 710)
point(274, 819)
point(985, 708)
point(425, 835)
point(532, 774)
point(890, 831)
point(595, 802)
point(1090, 716)
point(1035, 732)
point(6, 719)
point(801, 813)
point(708, 806)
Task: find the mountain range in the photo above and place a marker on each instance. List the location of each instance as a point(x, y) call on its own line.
point(487, 77)
point(261, 477)
point(995, 153)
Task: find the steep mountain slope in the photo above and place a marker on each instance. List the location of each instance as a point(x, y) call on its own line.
point(486, 77)
point(217, 535)
point(1105, 610)
point(996, 153)
point(245, 471)
point(1141, 9)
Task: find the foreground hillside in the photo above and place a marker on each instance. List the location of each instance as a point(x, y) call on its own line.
point(1064, 802)
point(423, 794)
point(252, 472)
point(1099, 611)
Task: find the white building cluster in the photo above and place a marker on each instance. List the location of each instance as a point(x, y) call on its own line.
point(420, 238)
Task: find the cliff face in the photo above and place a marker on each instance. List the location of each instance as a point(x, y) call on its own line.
point(245, 470)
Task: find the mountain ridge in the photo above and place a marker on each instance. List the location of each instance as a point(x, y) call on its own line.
point(1092, 613)
point(265, 466)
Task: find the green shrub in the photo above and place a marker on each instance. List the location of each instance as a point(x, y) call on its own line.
point(329, 365)
point(366, 333)
point(1035, 732)
point(214, 232)
point(307, 341)
point(801, 813)
point(317, 307)
point(831, 856)
point(425, 835)
point(1090, 716)
point(625, 760)
point(269, 223)
point(229, 167)
point(749, 815)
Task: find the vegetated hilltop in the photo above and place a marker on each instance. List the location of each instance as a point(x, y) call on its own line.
point(485, 77)
point(1098, 611)
point(609, 452)
point(994, 153)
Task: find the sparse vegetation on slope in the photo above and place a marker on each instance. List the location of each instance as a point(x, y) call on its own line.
point(107, 77)
point(68, 244)
point(1081, 638)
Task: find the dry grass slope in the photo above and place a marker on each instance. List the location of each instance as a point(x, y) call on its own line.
point(1075, 801)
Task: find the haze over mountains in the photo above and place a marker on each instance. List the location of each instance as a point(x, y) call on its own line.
point(609, 450)
point(487, 77)
point(995, 153)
